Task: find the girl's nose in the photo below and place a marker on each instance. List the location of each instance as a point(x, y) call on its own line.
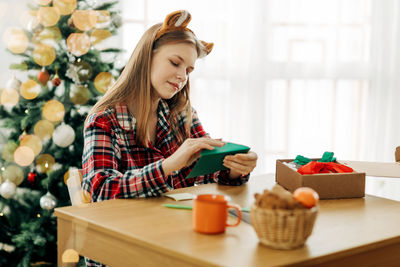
point(181, 75)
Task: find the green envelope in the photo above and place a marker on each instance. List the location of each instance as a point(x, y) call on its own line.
point(211, 160)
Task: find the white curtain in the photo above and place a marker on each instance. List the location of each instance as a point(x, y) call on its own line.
point(289, 77)
point(381, 133)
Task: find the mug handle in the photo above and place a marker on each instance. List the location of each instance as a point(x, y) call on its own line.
point(239, 212)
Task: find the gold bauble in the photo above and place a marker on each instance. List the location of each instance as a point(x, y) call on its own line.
point(53, 110)
point(103, 18)
point(103, 81)
point(33, 142)
point(44, 129)
point(48, 15)
point(84, 70)
point(44, 54)
point(8, 151)
point(47, 35)
point(84, 20)
point(70, 256)
point(14, 174)
point(65, 6)
point(29, 19)
point(16, 40)
point(45, 163)
point(99, 35)
point(9, 97)
point(78, 43)
point(66, 177)
point(30, 89)
point(24, 156)
point(79, 94)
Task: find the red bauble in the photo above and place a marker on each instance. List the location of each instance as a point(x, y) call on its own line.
point(43, 77)
point(56, 81)
point(31, 177)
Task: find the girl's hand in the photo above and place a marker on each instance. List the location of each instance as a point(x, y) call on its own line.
point(240, 164)
point(188, 152)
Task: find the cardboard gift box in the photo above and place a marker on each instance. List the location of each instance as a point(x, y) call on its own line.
point(327, 185)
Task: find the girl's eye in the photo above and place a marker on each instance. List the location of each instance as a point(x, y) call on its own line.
point(173, 63)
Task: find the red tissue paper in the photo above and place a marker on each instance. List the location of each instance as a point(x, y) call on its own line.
point(314, 167)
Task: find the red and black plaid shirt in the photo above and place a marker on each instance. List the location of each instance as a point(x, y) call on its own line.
point(115, 166)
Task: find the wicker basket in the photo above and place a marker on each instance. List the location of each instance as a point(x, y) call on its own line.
point(283, 229)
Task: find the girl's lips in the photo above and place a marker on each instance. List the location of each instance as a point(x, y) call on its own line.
point(175, 85)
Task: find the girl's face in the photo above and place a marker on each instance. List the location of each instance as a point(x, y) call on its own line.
point(170, 68)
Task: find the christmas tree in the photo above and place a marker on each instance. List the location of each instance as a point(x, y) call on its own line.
point(66, 68)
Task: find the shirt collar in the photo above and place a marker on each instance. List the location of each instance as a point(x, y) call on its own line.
point(125, 120)
point(128, 122)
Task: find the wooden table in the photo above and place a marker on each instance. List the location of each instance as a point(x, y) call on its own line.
point(140, 232)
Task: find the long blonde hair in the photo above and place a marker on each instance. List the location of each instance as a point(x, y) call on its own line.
point(134, 84)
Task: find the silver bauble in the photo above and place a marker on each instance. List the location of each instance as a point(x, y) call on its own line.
point(7, 189)
point(63, 135)
point(48, 201)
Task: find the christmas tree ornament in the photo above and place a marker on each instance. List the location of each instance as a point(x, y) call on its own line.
point(43, 76)
point(84, 70)
point(7, 153)
point(63, 135)
point(99, 35)
point(44, 54)
point(65, 7)
point(33, 142)
point(44, 129)
point(103, 19)
point(14, 174)
point(31, 177)
point(56, 81)
point(79, 94)
point(13, 83)
point(31, 89)
point(84, 20)
point(7, 189)
point(48, 35)
point(48, 202)
point(67, 175)
point(9, 97)
point(43, 2)
point(117, 20)
point(44, 163)
point(24, 156)
point(16, 40)
point(48, 16)
point(103, 81)
point(53, 110)
point(22, 136)
point(29, 20)
point(70, 256)
point(78, 43)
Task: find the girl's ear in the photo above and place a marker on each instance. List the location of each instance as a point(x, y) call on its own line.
point(177, 20)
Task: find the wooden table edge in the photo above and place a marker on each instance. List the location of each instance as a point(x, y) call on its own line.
point(132, 239)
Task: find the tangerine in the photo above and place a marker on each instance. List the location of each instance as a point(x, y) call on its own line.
point(307, 196)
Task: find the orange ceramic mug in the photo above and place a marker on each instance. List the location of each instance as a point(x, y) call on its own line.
point(210, 214)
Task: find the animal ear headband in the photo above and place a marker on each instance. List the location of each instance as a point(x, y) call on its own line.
point(177, 21)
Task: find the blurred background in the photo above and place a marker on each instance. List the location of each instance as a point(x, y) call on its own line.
point(286, 77)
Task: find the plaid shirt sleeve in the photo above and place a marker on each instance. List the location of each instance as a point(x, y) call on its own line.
point(222, 177)
point(101, 160)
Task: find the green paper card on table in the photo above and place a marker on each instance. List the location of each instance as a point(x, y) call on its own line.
point(211, 161)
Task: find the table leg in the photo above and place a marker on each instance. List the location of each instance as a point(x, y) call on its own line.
point(65, 240)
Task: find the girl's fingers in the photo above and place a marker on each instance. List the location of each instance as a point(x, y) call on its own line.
point(250, 156)
point(243, 169)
